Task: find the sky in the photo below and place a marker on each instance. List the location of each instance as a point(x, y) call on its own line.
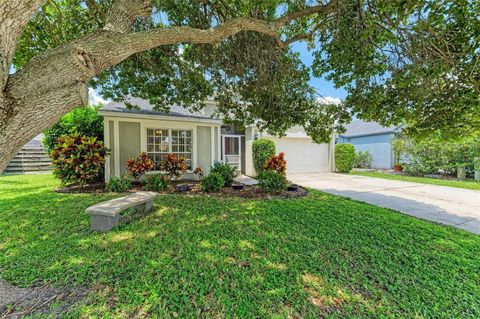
point(324, 88)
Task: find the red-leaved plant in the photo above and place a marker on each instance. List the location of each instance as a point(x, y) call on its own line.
point(174, 166)
point(78, 159)
point(277, 164)
point(139, 165)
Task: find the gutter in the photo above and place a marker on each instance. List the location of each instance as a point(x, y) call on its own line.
point(369, 134)
point(148, 116)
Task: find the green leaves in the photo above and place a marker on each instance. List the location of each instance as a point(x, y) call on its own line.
point(203, 256)
point(78, 159)
point(82, 120)
point(407, 62)
point(412, 62)
point(262, 150)
point(212, 183)
point(344, 157)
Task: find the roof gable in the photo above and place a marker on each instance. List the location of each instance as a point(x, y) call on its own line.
point(361, 128)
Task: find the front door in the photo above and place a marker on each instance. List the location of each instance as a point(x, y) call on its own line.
point(231, 151)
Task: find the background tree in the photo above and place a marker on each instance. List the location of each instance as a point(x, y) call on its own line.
point(83, 120)
point(412, 61)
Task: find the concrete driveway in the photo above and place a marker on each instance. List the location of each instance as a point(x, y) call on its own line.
point(446, 205)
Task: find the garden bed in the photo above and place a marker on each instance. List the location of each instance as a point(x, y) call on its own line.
point(248, 191)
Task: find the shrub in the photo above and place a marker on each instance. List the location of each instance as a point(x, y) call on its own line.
point(363, 159)
point(277, 164)
point(174, 166)
point(228, 172)
point(272, 182)
point(118, 185)
point(399, 146)
point(138, 166)
point(82, 120)
point(476, 163)
point(156, 183)
point(78, 159)
point(263, 150)
point(212, 183)
point(344, 157)
point(434, 154)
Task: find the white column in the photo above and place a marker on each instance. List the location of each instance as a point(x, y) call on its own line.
point(106, 134)
point(116, 147)
point(194, 148)
point(143, 137)
point(331, 155)
point(212, 144)
point(249, 138)
point(219, 143)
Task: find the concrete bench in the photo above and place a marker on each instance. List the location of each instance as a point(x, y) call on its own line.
point(106, 215)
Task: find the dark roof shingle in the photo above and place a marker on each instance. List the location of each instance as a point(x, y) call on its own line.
point(144, 107)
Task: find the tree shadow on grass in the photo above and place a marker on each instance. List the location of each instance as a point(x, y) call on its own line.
point(7, 181)
point(206, 257)
point(415, 208)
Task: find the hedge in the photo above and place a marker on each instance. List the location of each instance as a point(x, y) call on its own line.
point(344, 157)
point(263, 150)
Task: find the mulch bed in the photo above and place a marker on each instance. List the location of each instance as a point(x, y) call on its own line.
point(248, 191)
point(39, 302)
point(78, 189)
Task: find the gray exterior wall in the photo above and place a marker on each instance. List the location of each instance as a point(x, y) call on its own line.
point(130, 142)
point(204, 147)
point(378, 145)
point(129, 134)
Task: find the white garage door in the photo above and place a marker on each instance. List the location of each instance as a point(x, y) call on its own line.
point(302, 155)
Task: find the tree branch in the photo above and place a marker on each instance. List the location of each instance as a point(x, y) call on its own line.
point(287, 18)
point(298, 37)
point(56, 81)
point(92, 54)
point(124, 12)
point(96, 10)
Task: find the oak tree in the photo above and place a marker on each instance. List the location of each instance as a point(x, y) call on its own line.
point(415, 62)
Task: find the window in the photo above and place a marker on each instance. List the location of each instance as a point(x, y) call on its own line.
point(161, 142)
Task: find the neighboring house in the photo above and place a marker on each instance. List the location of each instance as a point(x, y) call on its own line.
point(32, 158)
point(199, 138)
point(372, 137)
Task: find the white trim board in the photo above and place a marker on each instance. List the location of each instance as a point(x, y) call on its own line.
point(159, 117)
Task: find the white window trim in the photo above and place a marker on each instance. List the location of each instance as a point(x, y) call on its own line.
point(194, 148)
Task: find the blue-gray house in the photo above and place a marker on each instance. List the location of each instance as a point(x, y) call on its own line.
point(372, 137)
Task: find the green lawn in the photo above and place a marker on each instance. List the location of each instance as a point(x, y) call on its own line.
point(469, 184)
point(201, 257)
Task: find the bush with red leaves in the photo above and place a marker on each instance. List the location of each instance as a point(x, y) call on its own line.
point(277, 164)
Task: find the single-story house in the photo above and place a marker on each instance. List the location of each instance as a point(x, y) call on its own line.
point(200, 138)
point(374, 138)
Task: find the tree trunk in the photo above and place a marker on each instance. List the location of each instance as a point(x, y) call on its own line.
point(33, 116)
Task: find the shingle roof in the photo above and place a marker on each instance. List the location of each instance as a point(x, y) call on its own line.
point(144, 107)
point(361, 128)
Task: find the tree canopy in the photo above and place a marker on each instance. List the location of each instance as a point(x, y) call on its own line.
point(401, 61)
